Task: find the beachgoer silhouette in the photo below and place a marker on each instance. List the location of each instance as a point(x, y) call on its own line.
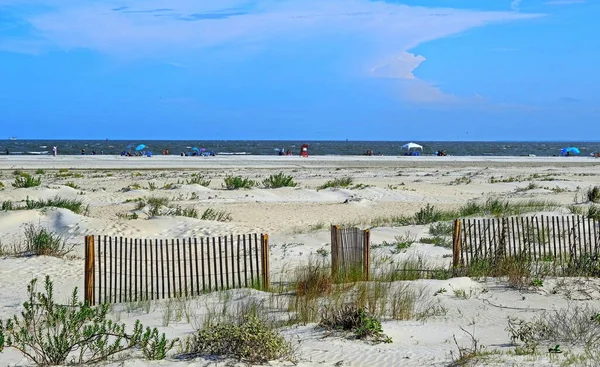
point(82, 151)
point(7, 151)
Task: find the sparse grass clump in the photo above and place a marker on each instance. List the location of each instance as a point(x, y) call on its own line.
point(593, 194)
point(278, 180)
point(198, 179)
point(238, 182)
point(338, 182)
point(186, 212)
point(1, 185)
point(252, 341)
point(40, 172)
point(25, 180)
point(441, 229)
point(74, 205)
point(7, 205)
point(358, 320)
point(155, 204)
point(72, 185)
point(42, 242)
point(216, 215)
point(48, 333)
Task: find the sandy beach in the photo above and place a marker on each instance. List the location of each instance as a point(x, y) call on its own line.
point(297, 220)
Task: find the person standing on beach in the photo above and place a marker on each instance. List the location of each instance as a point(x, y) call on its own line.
point(54, 151)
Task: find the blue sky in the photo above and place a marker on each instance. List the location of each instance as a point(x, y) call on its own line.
point(300, 69)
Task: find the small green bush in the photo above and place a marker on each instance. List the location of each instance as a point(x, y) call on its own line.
point(41, 241)
point(428, 214)
point(441, 229)
point(71, 184)
point(26, 180)
point(40, 172)
point(51, 334)
point(278, 180)
point(198, 179)
point(1, 185)
point(238, 182)
point(356, 319)
point(155, 204)
point(251, 341)
point(338, 182)
point(593, 194)
point(7, 205)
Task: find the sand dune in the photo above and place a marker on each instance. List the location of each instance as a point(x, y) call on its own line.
point(297, 221)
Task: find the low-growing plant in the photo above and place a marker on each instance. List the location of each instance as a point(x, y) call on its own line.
point(357, 320)
point(25, 180)
point(71, 184)
point(40, 172)
point(252, 341)
point(186, 212)
point(593, 194)
point(238, 182)
point(48, 333)
point(337, 182)
point(151, 186)
point(74, 205)
point(7, 205)
point(155, 205)
point(441, 229)
point(278, 180)
point(41, 241)
point(1, 185)
point(198, 179)
point(216, 215)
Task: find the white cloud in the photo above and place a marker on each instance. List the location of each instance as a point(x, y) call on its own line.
point(514, 5)
point(383, 32)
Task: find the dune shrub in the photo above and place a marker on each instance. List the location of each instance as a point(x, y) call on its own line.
point(25, 180)
point(338, 182)
point(278, 180)
point(43, 242)
point(238, 182)
point(593, 194)
point(50, 334)
point(251, 341)
point(198, 179)
point(357, 320)
point(74, 205)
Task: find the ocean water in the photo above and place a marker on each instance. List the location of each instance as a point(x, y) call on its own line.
point(264, 147)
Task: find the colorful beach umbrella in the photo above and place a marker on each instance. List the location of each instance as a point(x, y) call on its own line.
point(140, 147)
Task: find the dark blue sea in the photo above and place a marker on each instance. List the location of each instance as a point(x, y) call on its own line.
point(264, 147)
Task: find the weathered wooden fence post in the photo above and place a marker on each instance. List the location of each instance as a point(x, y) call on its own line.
point(89, 271)
point(456, 244)
point(367, 240)
point(265, 261)
point(334, 251)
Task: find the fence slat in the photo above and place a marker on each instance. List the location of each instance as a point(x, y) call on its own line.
point(226, 263)
point(214, 244)
point(245, 263)
point(179, 292)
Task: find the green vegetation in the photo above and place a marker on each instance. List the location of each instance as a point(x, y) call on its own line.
point(72, 185)
point(216, 215)
point(74, 205)
point(278, 180)
point(186, 212)
point(42, 242)
point(198, 179)
point(338, 182)
point(25, 180)
point(358, 320)
point(593, 194)
point(48, 333)
point(238, 182)
point(250, 340)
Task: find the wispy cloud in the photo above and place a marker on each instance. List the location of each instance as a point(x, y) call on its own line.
point(514, 5)
point(384, 33)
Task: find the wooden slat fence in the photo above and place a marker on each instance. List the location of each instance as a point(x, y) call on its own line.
point(121, 269)
point(569, 241)
point(349, 253)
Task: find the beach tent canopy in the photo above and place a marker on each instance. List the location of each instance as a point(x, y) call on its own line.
point(570, 150)
point(410, 146)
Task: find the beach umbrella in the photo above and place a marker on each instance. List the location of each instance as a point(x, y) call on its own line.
point(570, 150)
point(196, 149)
point(140, 147)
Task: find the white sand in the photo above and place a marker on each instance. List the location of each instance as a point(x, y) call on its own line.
point(397, 185)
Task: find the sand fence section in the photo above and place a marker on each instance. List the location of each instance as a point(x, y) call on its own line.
point(566, 244)
point(121, 269)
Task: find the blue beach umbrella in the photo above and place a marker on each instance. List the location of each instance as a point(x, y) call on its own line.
point(140, 147)
point(196, 149)
point(570, 150)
